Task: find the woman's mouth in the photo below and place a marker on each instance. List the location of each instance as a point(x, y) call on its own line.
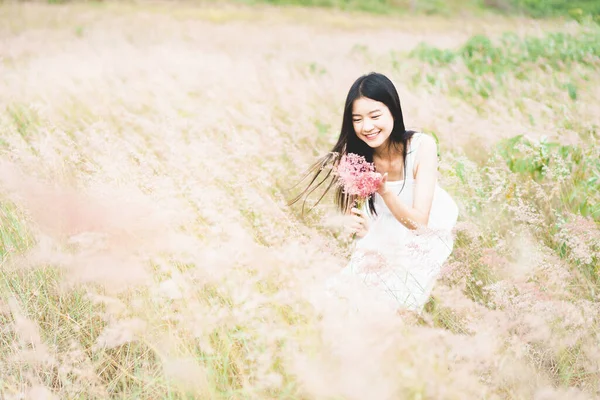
point(372, 136)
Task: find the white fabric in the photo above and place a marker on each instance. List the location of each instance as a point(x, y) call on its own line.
point(399, 265)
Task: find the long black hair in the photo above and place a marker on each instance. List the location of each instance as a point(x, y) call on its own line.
point(374, 86)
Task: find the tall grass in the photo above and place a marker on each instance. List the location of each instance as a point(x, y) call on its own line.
point(148, 251)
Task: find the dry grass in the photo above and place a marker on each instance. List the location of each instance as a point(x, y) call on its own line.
point(148, 252)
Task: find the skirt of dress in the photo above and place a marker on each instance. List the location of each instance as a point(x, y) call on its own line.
point(398, 266)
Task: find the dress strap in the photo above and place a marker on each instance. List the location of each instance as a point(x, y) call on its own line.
point(411, 155)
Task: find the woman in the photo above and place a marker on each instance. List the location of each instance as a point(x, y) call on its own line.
point(404, 230)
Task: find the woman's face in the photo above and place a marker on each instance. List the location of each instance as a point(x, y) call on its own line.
point(372, 120)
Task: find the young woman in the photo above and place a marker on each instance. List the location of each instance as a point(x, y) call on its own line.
point(404, 230)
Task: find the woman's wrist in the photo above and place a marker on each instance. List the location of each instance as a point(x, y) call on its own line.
point(387, 196)
point(398, 209)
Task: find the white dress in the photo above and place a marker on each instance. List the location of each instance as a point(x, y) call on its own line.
point(399, 266)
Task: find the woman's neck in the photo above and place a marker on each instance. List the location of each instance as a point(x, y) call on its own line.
point(387, 152)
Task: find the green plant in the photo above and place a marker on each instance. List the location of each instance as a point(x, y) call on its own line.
point(482, 65)
point(551, 8)
point(574, 169)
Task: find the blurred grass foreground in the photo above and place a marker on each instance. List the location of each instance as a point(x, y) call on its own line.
point(147, 151)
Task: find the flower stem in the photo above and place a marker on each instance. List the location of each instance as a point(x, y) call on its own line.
point(358, 203)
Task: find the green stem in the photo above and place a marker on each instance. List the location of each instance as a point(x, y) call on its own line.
point(358, 203)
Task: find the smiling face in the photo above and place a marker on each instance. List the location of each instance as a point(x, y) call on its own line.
point(372, 121)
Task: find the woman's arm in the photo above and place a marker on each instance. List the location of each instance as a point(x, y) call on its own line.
point(426, 165)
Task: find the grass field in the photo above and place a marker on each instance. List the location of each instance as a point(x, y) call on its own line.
point(147, 152)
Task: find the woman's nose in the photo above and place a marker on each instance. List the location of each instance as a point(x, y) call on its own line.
point(367, 126)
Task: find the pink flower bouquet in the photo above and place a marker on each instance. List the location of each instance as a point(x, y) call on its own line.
point(358, 177)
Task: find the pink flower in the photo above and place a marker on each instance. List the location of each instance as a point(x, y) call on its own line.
point(357, 176)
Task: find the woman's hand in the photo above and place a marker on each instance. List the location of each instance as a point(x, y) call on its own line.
point(359, 223)
point(382, 191)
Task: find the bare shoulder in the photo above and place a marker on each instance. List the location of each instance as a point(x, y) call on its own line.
point(426, 157)
point(427, 146)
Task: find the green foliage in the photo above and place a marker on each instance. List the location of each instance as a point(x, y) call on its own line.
point(481, 55)
point(14, 236)
point(444, 317)
point(572, 90)
point(488, 63)
point(25, 119)
point(575, 169)
point(551, 8)
point(576, 9)
point(373, 6)
point(434, 6)
point(433, 55)
point(430, 7)
point(549, 189)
